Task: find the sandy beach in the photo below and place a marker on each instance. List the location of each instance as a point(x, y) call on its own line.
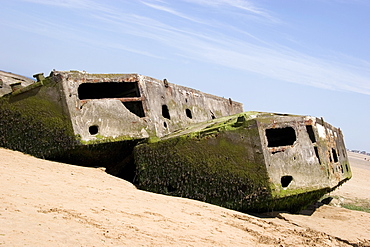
point(44, 203)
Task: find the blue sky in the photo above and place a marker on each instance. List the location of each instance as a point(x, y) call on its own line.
point(288, 56)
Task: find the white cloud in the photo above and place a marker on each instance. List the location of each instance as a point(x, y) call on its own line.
point(73, 4)
point(243, 5)
point(207, 43)
point(64, 3)
point(172, 11)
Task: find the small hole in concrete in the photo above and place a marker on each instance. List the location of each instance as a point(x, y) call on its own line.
point(165, 112)
point(285, 181)
point(93, 130)
point(165, 124)
point(347, 168)
point(188, 113)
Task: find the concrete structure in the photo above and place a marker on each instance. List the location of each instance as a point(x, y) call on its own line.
point(79, 111)
point(174, 140)
point(135, 106)
point(248, 161)
point(7, 79)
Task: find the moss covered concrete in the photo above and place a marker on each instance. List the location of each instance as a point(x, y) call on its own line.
point(33, 121)
point(222, 164)
point(222, 161)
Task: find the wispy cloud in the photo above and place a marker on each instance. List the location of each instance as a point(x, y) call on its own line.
point(172, 11)
point(56, 30)
point(244, 5)
point(73, 4)
point(64, 3)
point(281, 64)
point(204, 41)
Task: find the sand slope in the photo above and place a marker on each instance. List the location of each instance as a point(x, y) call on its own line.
point(45, 203)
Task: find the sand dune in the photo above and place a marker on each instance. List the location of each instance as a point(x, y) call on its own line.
point(45, 203)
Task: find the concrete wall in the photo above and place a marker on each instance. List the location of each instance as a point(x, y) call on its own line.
point(306, 162)
point(7, 79)
point(186, 106)
point(145, 107)
point(251, 160)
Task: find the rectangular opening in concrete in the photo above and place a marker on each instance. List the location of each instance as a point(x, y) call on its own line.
point(311, 134)
point(103, 90)
point(280, 137)
point(114, 90)
point(335, 156)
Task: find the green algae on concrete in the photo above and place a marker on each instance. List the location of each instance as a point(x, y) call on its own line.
point(228, 162)
point(34, 122)
point(222, 165)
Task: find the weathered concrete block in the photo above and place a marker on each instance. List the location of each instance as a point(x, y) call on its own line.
point(249, 161)
point(87, 111)
point(7, 78)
